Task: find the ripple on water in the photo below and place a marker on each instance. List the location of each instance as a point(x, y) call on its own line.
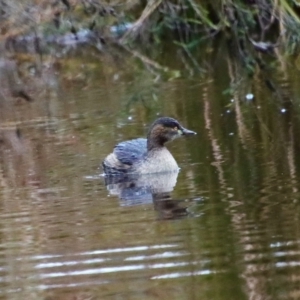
point(108, 267)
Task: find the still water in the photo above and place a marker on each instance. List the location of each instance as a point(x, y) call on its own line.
point(227, 226)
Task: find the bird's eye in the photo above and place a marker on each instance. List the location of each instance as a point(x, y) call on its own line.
point(175, 128)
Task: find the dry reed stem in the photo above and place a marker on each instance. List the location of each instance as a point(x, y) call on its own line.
point(149, 9)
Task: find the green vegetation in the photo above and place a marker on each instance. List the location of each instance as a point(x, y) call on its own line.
point(250, 27)
point(190, 21)
point(257, 34)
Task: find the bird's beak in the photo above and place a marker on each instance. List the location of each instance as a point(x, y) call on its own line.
point(185, 131)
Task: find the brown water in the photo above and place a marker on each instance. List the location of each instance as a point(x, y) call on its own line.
point(226, 227)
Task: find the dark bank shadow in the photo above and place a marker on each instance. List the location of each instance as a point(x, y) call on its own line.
point(144, 189)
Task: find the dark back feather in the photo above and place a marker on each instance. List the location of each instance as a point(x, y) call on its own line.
point(130, 152)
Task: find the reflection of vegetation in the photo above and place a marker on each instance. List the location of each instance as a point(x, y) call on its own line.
point(140, 97)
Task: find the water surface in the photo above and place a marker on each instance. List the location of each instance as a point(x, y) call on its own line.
point(225, 227)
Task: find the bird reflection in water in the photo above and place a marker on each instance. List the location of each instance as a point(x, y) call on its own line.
point(144, 189)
